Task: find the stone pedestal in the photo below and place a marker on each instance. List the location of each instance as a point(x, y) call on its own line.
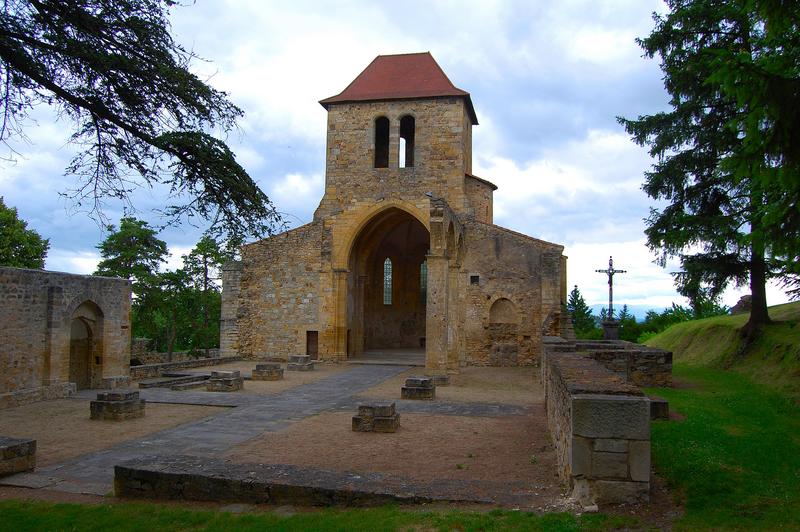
point(300, 363)
point(270, 371)
point(376, 417)
point(117, 405)
point(225, 381)
point(419, 388)
point(610, 330)
point(16, 455)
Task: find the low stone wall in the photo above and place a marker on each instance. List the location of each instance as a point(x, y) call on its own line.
point(196, 478)
point(637, 364)
point(148, 371)
point(31, 395)
point(141, 350)
point(600, 427)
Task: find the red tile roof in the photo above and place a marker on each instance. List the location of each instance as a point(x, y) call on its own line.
point(401, 77)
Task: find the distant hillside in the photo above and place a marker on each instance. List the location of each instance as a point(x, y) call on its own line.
point(774, 359)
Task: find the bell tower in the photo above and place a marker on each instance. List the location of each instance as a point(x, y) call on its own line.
point(401, 129)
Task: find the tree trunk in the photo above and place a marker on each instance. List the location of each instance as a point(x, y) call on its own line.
point(205, 304)
point(172, 331)
point(759, 316)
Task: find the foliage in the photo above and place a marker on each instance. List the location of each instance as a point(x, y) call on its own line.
point(724, 158)
point(141, 117)
point(25, 516)
point(133, 252)
point(20, 247)
point(734, 460)
point(176, 309)
point(582, 317)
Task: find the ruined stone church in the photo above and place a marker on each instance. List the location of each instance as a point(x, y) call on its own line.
point(402, 254)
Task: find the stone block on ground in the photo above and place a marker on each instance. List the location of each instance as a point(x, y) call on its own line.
point(376, 417)
point(17, 455)
point(419, 388)
point(267, 372)
point(300, 363)
point(225, 381)
point(117, 405)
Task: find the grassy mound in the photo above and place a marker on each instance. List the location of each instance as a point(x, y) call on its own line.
point(773, 359)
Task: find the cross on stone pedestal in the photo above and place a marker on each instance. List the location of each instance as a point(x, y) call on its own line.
point(610, 272)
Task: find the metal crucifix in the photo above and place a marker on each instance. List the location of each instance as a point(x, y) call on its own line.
point(610, 272)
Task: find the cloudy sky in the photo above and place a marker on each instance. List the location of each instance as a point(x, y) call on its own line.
point(547, 80)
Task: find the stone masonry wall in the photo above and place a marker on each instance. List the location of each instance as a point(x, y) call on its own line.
point(279, 294)
point(637, 364)
point(480, 197)
point(600, 428)
point(37, 309)
point(509, 266)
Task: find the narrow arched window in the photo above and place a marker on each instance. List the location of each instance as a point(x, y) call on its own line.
point(423, 281)
point(387, 281)
point(406, 150)
point(381, 142)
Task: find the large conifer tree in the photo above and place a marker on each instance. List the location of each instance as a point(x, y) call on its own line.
point(721, 146)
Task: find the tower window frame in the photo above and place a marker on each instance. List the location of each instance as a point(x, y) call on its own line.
point(381, 155)
point(408, 126)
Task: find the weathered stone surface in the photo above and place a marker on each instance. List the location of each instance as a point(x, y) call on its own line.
point(639, 459)
point(659, 408)
point(58, 329)
point(616, 491)
point(117, 405)
point(581, 457)
point(420, 382)
point(603, 416)
point(611, 446)
point(234, 384)
point(209, 479)
point(226, 374)
point(441, 379)
point(419, 388)
point(16, 455)
point(155, 370)
point(267, 372)
point(300, 367)
point(601, 440)
point(610, 465)
point(118, 395)
point(376, 417)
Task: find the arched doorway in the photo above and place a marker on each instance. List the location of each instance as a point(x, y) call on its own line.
point(85, 346)
point(386, 288)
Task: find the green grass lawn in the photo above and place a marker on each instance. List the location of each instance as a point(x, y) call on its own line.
point(734, 462)
point(36, 516)
point(774, 359)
